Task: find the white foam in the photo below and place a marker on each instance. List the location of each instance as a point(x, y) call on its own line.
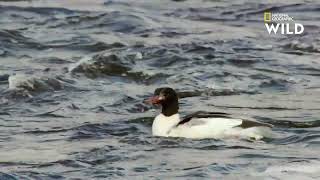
point(32, 82)
point(16, 81)
point(299, 167)
point(85, 59)
point(297, 170)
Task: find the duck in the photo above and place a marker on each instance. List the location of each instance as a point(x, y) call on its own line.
point(201, 124)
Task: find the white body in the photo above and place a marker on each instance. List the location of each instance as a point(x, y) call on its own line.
point(206, 128)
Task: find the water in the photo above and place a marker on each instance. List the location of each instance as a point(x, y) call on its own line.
point(74, 74)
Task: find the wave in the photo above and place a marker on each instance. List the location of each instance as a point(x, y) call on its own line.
point(293, 124)
point(32, 83)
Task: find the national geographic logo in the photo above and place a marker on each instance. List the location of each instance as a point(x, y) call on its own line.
point(276, 21)
point(267, 17)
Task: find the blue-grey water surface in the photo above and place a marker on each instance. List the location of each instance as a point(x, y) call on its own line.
point(74, 74)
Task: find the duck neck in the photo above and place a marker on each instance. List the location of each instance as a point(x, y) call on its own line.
point(169, 109)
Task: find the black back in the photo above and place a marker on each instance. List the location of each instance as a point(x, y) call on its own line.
point(202, 114)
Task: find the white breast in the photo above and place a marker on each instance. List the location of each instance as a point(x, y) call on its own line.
point(162, 125)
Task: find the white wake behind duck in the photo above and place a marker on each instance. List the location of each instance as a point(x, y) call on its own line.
point(201, 124)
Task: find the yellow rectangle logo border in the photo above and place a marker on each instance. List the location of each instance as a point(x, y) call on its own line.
point(267, 17)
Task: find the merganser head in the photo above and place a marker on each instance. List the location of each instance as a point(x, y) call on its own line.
point(167, 98)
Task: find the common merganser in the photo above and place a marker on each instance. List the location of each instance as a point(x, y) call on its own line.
point(201, 124)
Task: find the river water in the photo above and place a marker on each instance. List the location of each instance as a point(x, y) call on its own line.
point(74, 74)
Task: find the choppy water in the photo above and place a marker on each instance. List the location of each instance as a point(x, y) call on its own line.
point(73, 76)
